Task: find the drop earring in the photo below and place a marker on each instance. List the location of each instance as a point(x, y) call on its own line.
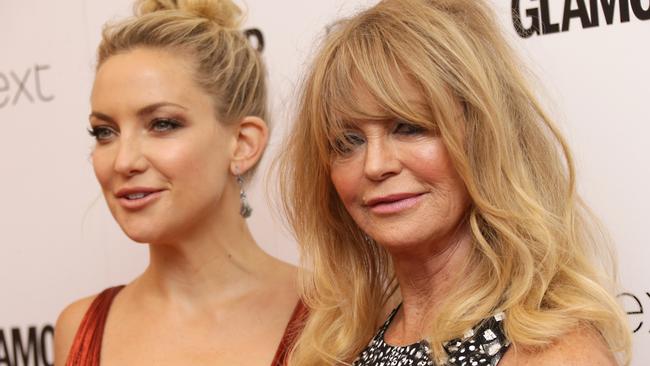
point(245, 210)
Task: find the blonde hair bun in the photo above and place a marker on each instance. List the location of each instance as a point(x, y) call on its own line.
point(224, 13)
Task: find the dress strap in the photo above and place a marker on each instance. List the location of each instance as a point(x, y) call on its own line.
point(87, 343)
point(291, 332)
point(389, 320)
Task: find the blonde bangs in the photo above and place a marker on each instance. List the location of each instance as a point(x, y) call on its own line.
point(363, 67)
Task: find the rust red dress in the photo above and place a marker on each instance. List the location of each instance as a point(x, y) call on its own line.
point(87, 344)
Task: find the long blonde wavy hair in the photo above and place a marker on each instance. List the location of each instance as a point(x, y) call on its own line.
point(208, 34)
point(537, 252)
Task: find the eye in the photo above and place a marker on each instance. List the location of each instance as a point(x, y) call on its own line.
point(164, 125)
point(408, 128)
point(102, 133)
point(348, 141)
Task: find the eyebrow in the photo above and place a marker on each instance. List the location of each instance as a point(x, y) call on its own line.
point(144, 111)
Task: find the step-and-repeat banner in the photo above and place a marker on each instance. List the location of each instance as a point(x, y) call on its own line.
point(58, 241)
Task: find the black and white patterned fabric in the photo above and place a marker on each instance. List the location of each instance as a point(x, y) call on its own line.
point(484, 345)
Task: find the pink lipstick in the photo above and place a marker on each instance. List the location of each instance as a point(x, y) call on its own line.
point(394, 203)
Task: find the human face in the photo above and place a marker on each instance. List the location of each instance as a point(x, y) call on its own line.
point(161, 157)
point(397, 182)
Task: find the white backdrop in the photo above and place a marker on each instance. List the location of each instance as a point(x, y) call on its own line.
point(58, 241)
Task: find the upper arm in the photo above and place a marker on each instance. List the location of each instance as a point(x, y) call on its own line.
point(66, 328)
point(582, 346)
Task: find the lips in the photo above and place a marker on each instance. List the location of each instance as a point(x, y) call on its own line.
point(135, 198)
point(393, 203)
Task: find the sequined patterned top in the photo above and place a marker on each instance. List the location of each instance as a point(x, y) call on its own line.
point(484, 345)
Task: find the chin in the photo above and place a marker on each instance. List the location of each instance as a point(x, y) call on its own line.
point(141, 239)
point(142, 236)
point(144, 232)
point(398, 244)
point(404, 241)
point(141, 228)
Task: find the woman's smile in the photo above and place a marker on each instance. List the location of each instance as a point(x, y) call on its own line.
point(394, 203)
point(137, 198)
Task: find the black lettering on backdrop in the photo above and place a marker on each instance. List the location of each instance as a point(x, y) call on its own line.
point(256, 38)
point(27, 346)
point(588, 11)
point(17, 86)
point(37, 76)
point(547, 25)
point(47, 342)
point(21, 86)
point(639, 12)
point(24, 351)
point(519, 25)
point(4, 350)
point(579, 12)
point(609, 7)
point(4, 87)
point(634, 309)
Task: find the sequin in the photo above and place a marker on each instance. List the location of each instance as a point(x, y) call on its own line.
point(484, 344)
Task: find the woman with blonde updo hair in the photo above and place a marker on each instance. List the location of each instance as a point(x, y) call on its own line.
point(179, 105)
point(435, 203)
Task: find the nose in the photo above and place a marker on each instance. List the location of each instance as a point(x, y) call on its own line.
point(130, 159)
point(381, 160)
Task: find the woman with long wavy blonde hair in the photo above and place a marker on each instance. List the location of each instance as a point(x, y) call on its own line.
point(423, 176)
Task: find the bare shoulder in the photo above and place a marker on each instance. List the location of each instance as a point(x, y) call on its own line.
point(66, 328)
point(583, 346)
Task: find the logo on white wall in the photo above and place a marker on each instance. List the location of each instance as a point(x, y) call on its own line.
point(537, 14)
point(24, 86)
point(27, 346)
point(633, 305)
point(256, 38)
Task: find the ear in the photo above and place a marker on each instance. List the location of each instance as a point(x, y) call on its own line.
point(251, 137)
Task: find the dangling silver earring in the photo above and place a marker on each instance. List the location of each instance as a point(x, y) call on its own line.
point(245, 210)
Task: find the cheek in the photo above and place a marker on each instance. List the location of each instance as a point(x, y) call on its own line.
point(102, 160)
point(430, 161)
point(196, 166)
point(433, 165)
point(176, 159)
point(346, 181)
point(187, 152)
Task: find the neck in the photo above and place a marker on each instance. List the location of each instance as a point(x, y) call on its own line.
point(425, 278)
point(215, 261)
